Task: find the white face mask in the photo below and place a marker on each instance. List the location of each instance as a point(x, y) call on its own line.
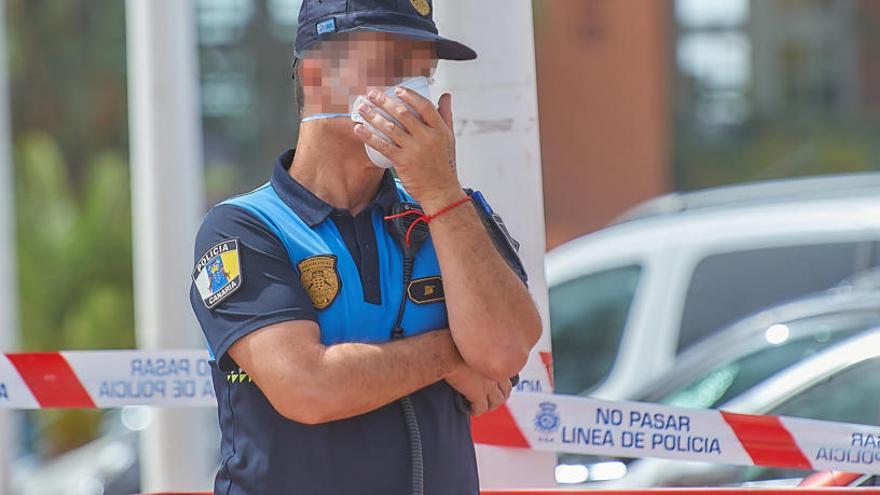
point(418, 84)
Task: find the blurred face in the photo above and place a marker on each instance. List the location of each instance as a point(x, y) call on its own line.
point(338, 70)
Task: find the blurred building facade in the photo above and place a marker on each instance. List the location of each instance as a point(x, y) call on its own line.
point(602, 71)
point(639, 98)
point(603, 84)
point(805, 54)
point(869, 52)
point(787, 84)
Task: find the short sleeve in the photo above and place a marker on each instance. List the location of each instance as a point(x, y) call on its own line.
point(243, 280)
point(506, 245)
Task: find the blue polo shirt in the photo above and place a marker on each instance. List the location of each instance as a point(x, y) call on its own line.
point(280, 253)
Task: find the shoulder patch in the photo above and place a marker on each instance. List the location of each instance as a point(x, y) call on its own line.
point(426, 290)
point(320, 279)
point(217, 274)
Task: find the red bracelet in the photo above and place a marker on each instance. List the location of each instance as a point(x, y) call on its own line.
point(424, 217)
point(446, 208)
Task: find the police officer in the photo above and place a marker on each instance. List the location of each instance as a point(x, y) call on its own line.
point(347, 312)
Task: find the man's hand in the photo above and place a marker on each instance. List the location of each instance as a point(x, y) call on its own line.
point(423, 151)
point(483, 393)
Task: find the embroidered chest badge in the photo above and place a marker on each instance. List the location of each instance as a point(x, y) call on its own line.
point(320, 279)
point(217, 274)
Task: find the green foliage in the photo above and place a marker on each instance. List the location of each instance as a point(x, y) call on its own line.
point(74, 250)
point(68, 87)
point(74, 256)
point(774, 150)
point(63, 429)
point(538, 14)
point(68, 75)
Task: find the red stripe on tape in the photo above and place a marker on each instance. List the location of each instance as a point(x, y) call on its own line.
point(766, 440)
point(50, 378)
point(547, 359)
point(498, 428)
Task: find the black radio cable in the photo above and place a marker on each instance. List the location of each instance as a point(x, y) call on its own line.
point(411, 234)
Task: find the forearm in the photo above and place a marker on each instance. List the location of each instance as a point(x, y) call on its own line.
point(355, 378)
point(493, 320)
point(492, 317)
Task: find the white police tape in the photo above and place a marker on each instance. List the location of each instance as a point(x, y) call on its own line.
point(572, 424)
point(105, 379)
point(536, 421)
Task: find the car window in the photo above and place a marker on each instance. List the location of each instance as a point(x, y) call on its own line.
point(729, 379)
point(727, 287)
point(851, 396)
point(587, 319)
point(875, 253)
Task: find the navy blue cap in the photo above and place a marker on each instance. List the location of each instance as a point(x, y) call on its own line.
point(412, 19)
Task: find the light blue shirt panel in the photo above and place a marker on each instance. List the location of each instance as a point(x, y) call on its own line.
point(349, 318)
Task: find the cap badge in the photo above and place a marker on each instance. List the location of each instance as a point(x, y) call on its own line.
point(421, 6)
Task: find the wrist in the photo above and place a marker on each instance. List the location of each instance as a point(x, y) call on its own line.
point(452, 362)
point(441, 198)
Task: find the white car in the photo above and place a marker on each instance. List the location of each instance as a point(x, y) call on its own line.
point(841, 383)
point(719, 371)
point(626, 300)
